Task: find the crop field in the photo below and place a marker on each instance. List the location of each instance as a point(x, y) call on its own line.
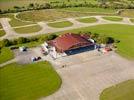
point(122, 91)
point(123, 33)
point(29, 82)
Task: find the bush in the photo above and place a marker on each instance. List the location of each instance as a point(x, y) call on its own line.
point(109, 40)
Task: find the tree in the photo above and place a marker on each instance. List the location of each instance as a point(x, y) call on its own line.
point(21, 40)
point(5, 43)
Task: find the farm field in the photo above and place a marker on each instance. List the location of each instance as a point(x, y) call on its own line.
point(29, 82)
point(87, 20)
point(28, 30)
point(123, 33)
point(113, 18)
point(5, 55)
point(60, 24)
point(122, 91)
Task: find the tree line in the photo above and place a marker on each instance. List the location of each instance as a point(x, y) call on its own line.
point(99, 39)
point(53, 5)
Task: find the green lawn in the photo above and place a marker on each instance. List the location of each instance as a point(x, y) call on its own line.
point(113, 18)
point(87, 20)
point(14, 22)
point(60, 24)
point(2, 33)
point(28, 30)
point(124, 33)
point(5, 55)
point(132, 20)
point(28, 82)
point(122, 91)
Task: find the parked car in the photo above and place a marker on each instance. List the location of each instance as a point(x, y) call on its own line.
point(35, 59)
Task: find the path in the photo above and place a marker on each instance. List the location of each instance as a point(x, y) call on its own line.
point(8, 62)
point(10, 33)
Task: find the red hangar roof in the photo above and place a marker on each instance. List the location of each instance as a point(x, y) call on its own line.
point(70, 41)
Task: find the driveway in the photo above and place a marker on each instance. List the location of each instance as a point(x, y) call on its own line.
point(87, 74)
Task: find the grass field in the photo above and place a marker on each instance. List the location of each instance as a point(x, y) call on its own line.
point(128, 13)
point(132, 20)
point(87, 20)
point(88, 9)
point(28, 30)
point(60, 24)
point(14, 22)
point(2, 33)
point(29, 82)
point(113, 18)
point(48, 15)
point(124, 33)
point(122, 91)
point(0, 26)
point(5, 55)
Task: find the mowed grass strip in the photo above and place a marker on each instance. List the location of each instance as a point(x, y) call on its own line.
point(87, 20)
point(5, 55)
point(28, 29)
point(60, 24)
point(113, 18)
point(2, 33)
point(122, 91)
point(124, 33)
point(28, 82)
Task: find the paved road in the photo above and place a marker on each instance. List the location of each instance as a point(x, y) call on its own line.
point(87, 77)
point(10, 33)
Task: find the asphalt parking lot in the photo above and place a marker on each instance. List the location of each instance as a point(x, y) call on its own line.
point(87, 74)
point(25, 57)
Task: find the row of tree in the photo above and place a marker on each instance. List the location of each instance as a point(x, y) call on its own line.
point(21, 40)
